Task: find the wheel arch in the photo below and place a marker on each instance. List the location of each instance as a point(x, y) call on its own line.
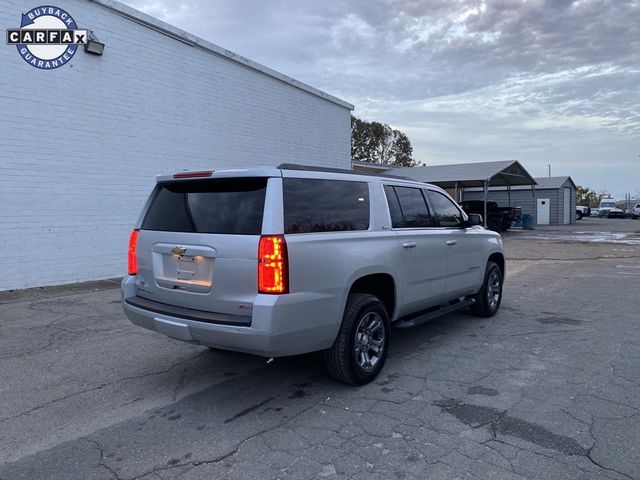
point(382, 285)
point(498, 259)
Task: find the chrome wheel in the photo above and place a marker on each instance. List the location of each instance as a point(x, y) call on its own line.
point(494, 290)
point(369, 341)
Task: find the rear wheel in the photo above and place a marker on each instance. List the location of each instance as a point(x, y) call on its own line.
point(579, 215)
point(360, 349)
point(489, 297)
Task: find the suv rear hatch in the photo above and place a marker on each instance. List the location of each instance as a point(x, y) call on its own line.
point(198, 243)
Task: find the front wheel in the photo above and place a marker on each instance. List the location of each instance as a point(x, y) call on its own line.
point(360, 349)
point(489, 297)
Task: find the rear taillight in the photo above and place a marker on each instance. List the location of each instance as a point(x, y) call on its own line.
point(133, 260)
point(272, 265)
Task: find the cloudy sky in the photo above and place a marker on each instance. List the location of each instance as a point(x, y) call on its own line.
point(540, 81)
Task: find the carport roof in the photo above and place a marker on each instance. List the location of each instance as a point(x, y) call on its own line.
point(508, 172)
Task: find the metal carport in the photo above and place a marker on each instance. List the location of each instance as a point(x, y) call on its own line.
point(459, 176)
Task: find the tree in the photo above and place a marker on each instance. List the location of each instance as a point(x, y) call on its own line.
point(401, 150)
point(376, 142)
point(588, 197)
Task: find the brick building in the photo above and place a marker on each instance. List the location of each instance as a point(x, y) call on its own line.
point(80, 145)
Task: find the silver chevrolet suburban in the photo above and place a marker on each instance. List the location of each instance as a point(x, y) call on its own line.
point(294, 259)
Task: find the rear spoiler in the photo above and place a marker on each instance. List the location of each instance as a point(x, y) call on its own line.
point(187, 175)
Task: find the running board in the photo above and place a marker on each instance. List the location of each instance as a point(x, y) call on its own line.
point(420, 318)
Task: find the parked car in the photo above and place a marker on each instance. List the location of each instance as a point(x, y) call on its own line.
point(616, 213)
point(582, 212)
point(498, 218)
point(288, 260)
point(595, 212)
point(635, 213)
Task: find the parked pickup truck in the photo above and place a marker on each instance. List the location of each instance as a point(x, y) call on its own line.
point(498, 218)
point(582, 212)
point(289, 260)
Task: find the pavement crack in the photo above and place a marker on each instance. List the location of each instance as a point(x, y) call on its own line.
point(608, 400)
point(101, 463)
point(193, 464)
point(96, 388)
point(501, 422)
point(234, 451)
point(599, 465)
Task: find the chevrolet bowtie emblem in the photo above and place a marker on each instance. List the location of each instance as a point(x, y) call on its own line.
point(179, 250)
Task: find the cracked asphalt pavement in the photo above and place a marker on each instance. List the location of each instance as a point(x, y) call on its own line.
point(549, 388)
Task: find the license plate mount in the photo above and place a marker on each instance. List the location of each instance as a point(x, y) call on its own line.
point(186, 267)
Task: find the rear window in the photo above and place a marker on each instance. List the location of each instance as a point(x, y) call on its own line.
point(231, 206)
point(313, 205)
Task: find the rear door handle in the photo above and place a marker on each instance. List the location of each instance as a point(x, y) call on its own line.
point(451, 243)
point(409, 244)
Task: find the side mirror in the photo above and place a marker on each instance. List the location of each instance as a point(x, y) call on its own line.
point(475, 219)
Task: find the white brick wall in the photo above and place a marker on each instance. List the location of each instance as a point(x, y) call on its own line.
point(80, 145)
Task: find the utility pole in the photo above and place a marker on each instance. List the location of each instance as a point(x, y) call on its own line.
point(549, 166)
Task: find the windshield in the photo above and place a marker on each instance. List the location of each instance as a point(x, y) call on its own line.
point(608, 204)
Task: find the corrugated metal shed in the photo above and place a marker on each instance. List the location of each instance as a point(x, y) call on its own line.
point(553, 182)
point(558, 192)
point(458, 177)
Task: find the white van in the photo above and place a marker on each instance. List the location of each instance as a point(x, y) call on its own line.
point(606, 204)
point(608, 209)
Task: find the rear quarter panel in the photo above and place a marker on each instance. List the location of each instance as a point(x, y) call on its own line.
point(329, 263)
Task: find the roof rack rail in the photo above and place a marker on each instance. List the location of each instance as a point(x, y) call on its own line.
point(311, 168)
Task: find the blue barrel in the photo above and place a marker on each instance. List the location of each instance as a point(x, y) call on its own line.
point(527, 222)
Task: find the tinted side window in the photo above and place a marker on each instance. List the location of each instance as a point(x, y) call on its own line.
point(314, 205)
point(397, 220)
point(233, 206)
point(415, 212)
point(445, 210)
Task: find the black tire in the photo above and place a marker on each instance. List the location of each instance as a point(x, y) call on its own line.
point(489, 297)
point(579, 215)
point(346, 360)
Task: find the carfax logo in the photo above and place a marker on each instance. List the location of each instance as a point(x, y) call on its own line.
point(48, 37)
